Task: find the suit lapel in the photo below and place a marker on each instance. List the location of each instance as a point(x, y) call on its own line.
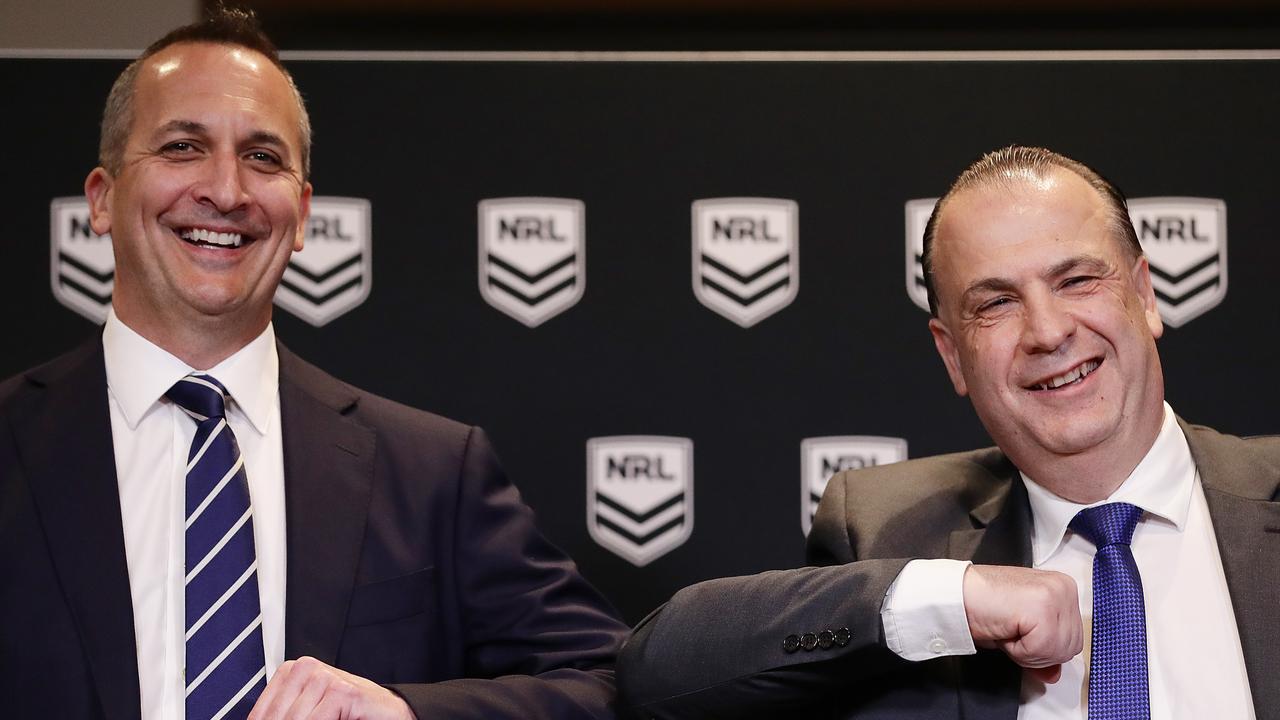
point(990, 684)
point(1239, 485)
point(66, 447)
point(328, 461)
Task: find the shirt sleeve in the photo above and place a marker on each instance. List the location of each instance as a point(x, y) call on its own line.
point(923, 611)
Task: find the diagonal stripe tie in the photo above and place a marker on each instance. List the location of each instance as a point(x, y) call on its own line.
point(1118, 658)
point(225, 662)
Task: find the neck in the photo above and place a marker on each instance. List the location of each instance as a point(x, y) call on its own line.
point(200, 341)
point(1093, 475)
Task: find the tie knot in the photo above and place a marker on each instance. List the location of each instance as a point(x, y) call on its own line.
point(1108, 524)
point(200, 396)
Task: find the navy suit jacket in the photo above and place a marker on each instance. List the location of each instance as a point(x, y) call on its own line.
point(685, 661)
point(411, 559)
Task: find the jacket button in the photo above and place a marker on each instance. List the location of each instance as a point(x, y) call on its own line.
point(808, 641)
point(826, 639)
point(790, 644)
point(843, 636)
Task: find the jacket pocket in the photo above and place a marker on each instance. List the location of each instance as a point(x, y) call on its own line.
point(391, 599)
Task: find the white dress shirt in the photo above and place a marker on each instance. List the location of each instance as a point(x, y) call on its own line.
point(1195, 665)
point(151, 438)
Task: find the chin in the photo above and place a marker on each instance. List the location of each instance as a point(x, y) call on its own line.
point(1076, 437)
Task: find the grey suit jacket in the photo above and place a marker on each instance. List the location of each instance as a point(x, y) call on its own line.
point(411, 559)
point(717, 648)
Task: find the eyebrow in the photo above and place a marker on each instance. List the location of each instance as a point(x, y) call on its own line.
point(999, 284)
point(188, 126)
point(257, 137)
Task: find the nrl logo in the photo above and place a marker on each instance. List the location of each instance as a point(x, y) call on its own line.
point(333, 273)
point(81, 264)
point(746, 256)
point(640, 494)
point(917, 212)
point(822, 457)
point(532, 256)
point(1185, 241)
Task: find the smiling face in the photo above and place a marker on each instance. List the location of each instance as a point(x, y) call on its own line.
point(209, 202)
point(1048, 324)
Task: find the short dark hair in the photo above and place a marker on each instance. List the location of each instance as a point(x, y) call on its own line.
point(222, 26)
point(1006, 166)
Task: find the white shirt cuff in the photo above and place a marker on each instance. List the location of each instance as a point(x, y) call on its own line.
point(923, 611)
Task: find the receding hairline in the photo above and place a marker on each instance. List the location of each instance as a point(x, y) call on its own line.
point(121, 101)
point(1013, 167)
point(1011, 181)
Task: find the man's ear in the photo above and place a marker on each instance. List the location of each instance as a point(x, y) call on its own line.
point(946, 346)
point(1147, 295)
point(97, 189)
point(305, 204)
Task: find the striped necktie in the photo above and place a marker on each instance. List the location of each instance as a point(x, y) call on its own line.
point(1118, 658)
point(225, 666)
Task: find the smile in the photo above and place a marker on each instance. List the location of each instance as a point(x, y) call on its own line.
point(211, 238)
point(1076, 374)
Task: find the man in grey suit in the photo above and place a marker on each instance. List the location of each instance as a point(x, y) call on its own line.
point(964, 585)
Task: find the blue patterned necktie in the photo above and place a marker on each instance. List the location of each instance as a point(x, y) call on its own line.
point(1118, 659)
point(225, 666)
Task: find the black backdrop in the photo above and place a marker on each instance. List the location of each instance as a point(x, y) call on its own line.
point(848, 138)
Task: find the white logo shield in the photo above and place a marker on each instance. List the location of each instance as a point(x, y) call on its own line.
point(334, 272)
point(640, 494)
point(917, 216)
point(822, 457)
point(82, 268)
point(1185, 241)
point(746, 256)
point(532, 256)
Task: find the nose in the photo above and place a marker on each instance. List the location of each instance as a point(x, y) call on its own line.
point(221, 186)
point(1047, 324)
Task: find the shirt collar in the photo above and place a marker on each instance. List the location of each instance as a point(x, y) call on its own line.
point(140, 372)
point(1161, 485)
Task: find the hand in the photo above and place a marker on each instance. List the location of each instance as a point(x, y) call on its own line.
point(307, 688)
point(1031, 615)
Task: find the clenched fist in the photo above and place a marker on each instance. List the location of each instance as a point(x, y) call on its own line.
point(1031, 615)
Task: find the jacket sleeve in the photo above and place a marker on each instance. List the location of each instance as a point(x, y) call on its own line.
point(764, 645)
point(539, 641)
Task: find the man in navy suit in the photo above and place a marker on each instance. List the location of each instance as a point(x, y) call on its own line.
point(399, 573)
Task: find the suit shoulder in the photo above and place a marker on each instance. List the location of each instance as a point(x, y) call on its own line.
point(910, 480)
point(389, 418)
point(1247, 467)
point(389, 415)
point(908, 508)
point(33, 378)
point(1266, 444)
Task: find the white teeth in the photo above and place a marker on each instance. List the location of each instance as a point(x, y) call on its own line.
point(1080, 371)
point(212, 238)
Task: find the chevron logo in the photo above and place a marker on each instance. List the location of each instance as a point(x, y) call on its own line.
point(532, 256)
point(81, 263)
point(640, 494)
point(823, 457)
point(746, 256)
point(333, 273)
point(1185, 241)
point(917, 216)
